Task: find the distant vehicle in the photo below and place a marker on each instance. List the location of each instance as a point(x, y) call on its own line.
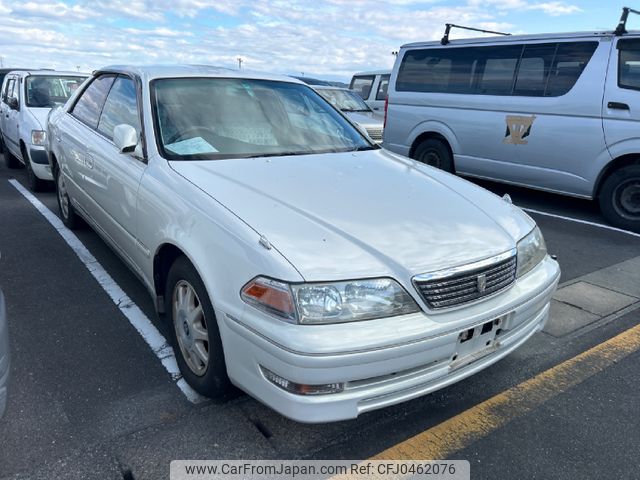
point(4, 355)
point(352, 105)
point(555, 112)
point(314, 81)
point(372, 87)
point(3, 73)
point(25, 101)
point(291, 256)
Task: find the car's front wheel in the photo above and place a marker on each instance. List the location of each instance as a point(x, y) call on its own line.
point(35, 183)
point(620, 198)
point(67, 213)
point(194, 330)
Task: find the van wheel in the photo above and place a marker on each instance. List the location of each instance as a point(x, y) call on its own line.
point(35, 184)
point(194, 330)
point(620, 198)
point(435, 153)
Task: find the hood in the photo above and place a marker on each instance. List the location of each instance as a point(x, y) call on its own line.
point(366, 119)
point(40, 114)
point(361, 214)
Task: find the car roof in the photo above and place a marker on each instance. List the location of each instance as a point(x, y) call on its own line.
point(148, 73)
point(520, 38)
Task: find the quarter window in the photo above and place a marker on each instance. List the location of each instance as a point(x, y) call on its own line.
point(120, 107)
point(382, 88)
point(570, 61)
point(362, 85)
point(629, 64)
point(89, 105)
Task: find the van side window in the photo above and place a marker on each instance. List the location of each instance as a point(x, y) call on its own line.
point(629, 64)
point(362, 85)
point(382, 87)
point(571, 59)
point(532, 70)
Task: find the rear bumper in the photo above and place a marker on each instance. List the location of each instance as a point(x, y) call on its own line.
point(382, 376)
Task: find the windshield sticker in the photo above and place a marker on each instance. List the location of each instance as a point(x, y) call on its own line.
point(518, 128)
point(191, 146)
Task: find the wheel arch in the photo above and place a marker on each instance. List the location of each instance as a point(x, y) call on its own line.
point(612, 166)
point(431, 135)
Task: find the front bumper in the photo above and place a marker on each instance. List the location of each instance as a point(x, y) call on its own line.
point(4, 356)
point(40, 162)
point(418, 355)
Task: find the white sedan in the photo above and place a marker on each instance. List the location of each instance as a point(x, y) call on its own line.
point(324, 276)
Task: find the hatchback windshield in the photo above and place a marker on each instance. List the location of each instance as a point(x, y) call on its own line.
point(50, 91)
point(215, 118)
point(344, 100)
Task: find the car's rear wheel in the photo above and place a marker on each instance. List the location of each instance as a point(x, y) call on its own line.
point(620, 198)
point(67, 213)
point(194, 330)
point(35, 183)
point(435, 153)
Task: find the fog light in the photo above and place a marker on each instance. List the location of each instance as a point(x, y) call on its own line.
point(299, 388)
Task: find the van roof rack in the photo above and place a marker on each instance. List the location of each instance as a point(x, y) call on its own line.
point(445, 39)
point(621, 29)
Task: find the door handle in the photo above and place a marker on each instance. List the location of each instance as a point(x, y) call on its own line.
point(617, 106)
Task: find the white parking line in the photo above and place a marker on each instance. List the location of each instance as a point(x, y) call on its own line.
point(129, 309)
point(585, 222)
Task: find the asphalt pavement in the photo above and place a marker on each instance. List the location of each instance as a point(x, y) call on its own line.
point(90, 400)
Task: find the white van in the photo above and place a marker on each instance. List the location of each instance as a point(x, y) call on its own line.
point(556, 112)
point(372, 87)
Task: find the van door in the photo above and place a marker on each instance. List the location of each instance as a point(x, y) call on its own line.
point(10, 125)
point(621, 102)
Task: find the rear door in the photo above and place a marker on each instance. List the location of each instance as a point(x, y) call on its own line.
point(621, 102)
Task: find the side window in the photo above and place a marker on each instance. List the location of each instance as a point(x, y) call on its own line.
point(534, 69)
point(362, 85)
point(571, 59)
point(382, 88)
point(448, 70)
point(8, 92)
point(629, 64)
point(121, 107)
point(499, 69)
point(89, 105)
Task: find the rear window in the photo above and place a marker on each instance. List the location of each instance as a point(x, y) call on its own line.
point(538, 70)
point(362, 85)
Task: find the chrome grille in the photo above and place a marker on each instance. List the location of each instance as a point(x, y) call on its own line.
point(375, 134)
point(469, 285)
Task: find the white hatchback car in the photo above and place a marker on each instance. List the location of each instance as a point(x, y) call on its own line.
point(25, 101)
point(319, 273)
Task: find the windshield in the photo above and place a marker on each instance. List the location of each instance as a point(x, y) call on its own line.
point(49, 91)
point(215, 118)
point(344, 100)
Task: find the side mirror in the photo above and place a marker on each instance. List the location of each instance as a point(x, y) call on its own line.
point(13, 103)
point(125, 137)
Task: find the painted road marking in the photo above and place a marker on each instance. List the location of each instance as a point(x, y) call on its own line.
point(456, 433)
point(584, 222)
point(129, 309)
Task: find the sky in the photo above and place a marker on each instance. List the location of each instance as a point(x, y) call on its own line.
point(329, 39)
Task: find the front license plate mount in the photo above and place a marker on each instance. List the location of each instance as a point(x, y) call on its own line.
point(475, 343)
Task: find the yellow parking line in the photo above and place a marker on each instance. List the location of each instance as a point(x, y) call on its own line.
point(456, 433)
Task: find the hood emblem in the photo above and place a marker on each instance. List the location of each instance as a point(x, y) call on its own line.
point(482, 283)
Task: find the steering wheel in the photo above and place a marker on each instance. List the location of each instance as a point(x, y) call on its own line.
point(193, 129)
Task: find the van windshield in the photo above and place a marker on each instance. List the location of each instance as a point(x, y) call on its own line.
point(48, 91)
point(219, 118)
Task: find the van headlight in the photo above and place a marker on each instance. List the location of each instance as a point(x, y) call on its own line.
point(38, 137)
point(334, 302)
point(531, 251)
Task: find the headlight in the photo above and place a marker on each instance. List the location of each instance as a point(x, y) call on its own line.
point(336, 302)
point(531, 251)
point(38, 137)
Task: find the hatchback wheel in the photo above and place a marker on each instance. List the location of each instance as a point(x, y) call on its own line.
point(620, 198)
point(35, 183)
point(435, 153)
point(10, 159)
point(67, 213)
point(194, 331)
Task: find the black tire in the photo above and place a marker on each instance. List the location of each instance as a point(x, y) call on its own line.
point(11, 160)
point(434, 152)
point(1, 144)
point(620, 198)
point(212, 381)
point(35, 184)
point(67, 213)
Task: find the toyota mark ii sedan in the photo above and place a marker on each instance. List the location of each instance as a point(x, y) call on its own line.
point(290, 255)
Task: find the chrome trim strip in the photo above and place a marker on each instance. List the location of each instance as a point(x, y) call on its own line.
point(469, 267)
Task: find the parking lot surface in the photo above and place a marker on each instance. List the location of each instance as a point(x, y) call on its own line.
point(90, 399)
